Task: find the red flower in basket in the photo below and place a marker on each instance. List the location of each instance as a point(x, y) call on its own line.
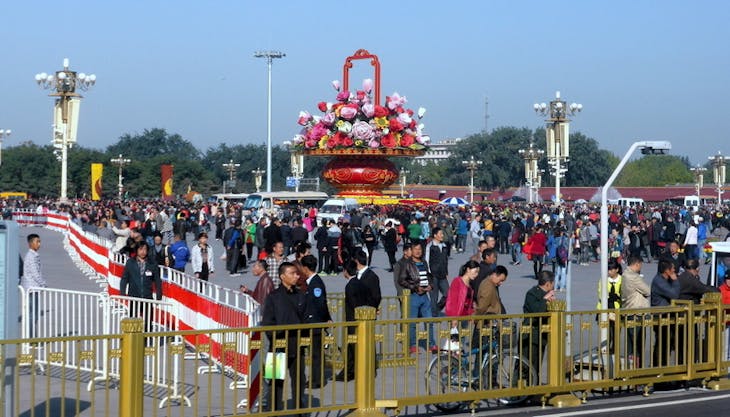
point(380, 111)
point(395, 125)
point(388, 141)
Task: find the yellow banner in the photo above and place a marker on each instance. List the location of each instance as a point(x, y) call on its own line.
point(97, 170)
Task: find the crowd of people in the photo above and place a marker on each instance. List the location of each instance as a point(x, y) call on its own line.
point(291, 291)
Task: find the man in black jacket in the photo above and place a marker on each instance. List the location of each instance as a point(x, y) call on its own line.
point(355, 296)
point(316, 312)
point(438, 264)
point(692, 288)
point(369, 279)
point(139, 276)
point(285, 305)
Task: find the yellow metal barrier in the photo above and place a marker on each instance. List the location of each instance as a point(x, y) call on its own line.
point(367, 365)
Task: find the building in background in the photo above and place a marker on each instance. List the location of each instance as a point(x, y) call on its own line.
point(439, 152)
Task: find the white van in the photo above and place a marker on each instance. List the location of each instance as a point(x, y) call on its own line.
point(270, 203)
point(335, 208)
point(630, 202)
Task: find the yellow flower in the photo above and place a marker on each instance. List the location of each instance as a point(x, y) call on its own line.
point(397, 137)
point(339, 123)
point(381, 122)
point(359, 142)
point(323, 142)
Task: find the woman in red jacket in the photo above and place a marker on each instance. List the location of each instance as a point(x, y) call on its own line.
point(538, 245)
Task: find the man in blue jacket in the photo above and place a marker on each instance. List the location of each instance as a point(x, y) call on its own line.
point(180, 253)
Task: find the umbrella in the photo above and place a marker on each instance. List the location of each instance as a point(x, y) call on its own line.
point(453, 201)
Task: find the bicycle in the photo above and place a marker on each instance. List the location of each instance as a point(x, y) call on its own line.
point(449, 371)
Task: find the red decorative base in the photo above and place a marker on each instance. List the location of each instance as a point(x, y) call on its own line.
point(360, 174)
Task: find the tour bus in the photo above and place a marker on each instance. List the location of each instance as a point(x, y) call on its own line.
point(272, 202)
point(224, 199)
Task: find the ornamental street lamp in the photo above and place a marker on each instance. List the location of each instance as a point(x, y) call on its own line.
point(257, 174)
point(557, 135)
point(718, 170)
point(403, 173)
point(3, 133)
point(121, 162)
point(472, 165)
point(231, 167)
point(66, 111)
point(532, 175)
point(296, 164)
point(699, 173)
point(270, 56)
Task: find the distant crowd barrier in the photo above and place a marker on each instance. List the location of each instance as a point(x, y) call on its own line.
point(189, 304)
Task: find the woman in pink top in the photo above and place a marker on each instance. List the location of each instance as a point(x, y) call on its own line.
point(460, 302)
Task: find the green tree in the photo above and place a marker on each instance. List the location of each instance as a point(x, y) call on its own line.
point(152, 143)
point(653, 171)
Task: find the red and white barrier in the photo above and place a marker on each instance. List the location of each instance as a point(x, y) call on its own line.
point(195, 304)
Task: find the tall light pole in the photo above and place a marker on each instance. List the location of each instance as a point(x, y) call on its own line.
point(3, 133)
point(257, 174)
point(121, 161)
point(403, 173)
point(472, 165)
point(699, 173)
point(532, 175)
point(231, 168)
point(647, 147)
point(557, 134)
point(270, 56)
point(718, 170)
point(66, 111)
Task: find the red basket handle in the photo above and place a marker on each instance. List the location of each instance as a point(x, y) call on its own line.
point(362, 54)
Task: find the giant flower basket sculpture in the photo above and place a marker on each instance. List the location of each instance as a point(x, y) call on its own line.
point(361, 134)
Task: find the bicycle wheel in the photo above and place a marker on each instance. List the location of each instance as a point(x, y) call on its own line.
point(504, 371)
point(446, 375)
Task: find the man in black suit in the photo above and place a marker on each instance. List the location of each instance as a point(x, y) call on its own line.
point(355, 296)
point(369, 279)
point(139, 276)
point(674, 256)
point(315, 312)
point(285, 305)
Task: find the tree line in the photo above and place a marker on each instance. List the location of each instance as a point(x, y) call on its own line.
point(36, 170)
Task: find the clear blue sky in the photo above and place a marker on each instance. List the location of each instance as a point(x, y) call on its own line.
point(643, 70)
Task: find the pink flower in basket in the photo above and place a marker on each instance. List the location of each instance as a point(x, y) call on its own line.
point(348, 112)
point(304, 118)
point(343, 96)
point(363, 130)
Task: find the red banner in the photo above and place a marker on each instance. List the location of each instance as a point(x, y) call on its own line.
point(166, 174)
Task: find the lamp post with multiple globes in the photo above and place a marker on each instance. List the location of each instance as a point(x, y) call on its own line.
point(532, 174)
point(3, 133)
point(121, 161)
point(471, 165)
point(65, 85)
point(718, 169)
point(557, 135)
